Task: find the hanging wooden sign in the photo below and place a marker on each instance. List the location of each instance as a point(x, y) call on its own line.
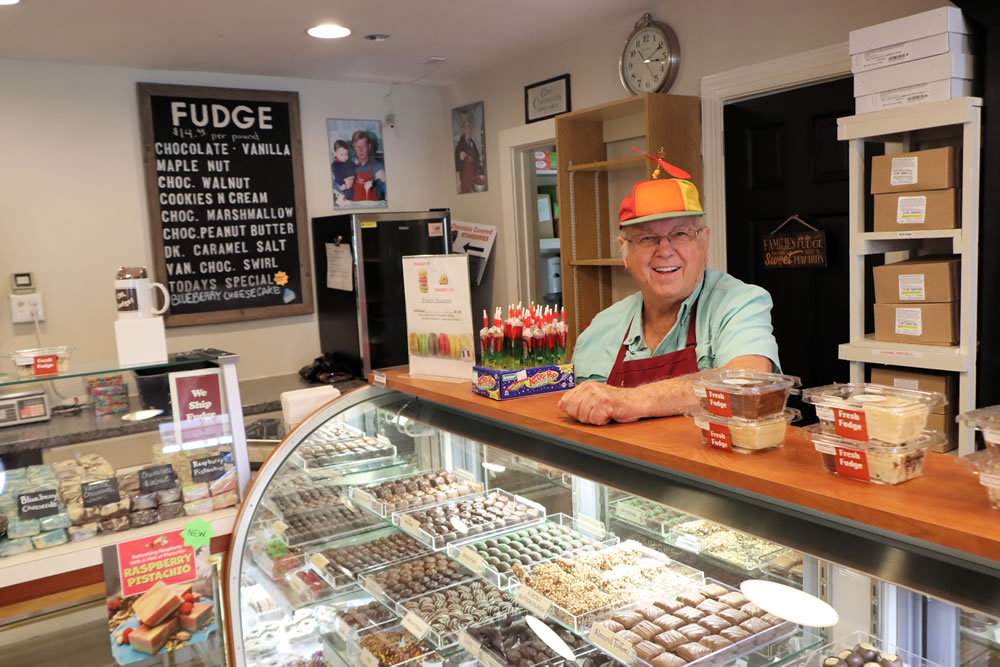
point(805, 249)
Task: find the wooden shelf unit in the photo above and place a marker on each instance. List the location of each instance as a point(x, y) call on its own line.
point(895, 128)
point(648, 122)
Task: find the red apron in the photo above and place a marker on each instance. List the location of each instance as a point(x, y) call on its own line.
point(469, 166)
point(364, 174)
point(643, 371)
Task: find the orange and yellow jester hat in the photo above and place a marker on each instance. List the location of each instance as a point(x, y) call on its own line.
point(658, 199)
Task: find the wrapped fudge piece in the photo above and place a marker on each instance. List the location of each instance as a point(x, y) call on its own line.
point(128, 483)
point(164, 496)
point(143, 502)
point(3, 524)
point(18, 528)
point(15, 546)
point(83, 532)
point(114, 525)
point(55, 521)
point(144, 517)
point(200, 506)
point(170, 511)
point(227, 499)
point(224, 484)
point(50, 539)
point(195, 491)
point(80, 515)
point(95, 467)
point(70, 491)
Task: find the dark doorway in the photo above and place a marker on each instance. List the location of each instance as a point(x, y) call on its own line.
point(783, 158)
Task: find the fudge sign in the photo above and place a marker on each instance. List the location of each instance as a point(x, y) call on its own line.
point(198, 413)
point(795, 250)
point(226, 199)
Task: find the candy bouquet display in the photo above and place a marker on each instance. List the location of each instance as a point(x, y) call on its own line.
point(524, 354)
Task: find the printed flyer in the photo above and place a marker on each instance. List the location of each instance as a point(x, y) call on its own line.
point(439, 315)
point(160, 593)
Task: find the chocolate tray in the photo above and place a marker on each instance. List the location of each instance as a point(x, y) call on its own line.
point(343, 638)
point(789, 576)
point(409, 525)
point(361, 496)
point(362, 524)
point(679, 578)
point(357, 461)
point(445, 638)
point(376, 590)
point(639, 513)
point(576, 529)
point(723, 656)
point(712, 545)
point(423, 653)
point(490, 658)
point(814, 658)
point(340, 577)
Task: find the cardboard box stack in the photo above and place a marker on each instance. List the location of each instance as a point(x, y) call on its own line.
point(916, 301)
point(916, 191)
point(920, 58)
point(942, 418)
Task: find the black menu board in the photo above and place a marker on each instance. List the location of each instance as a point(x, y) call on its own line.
point(224, 181)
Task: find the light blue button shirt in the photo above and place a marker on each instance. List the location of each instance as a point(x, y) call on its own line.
point(733, 320)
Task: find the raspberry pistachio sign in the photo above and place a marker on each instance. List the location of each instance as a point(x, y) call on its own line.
point(144, 562)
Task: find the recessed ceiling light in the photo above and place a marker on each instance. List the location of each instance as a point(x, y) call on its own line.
point(327, 31)
point(9, 2)
point(377, 37)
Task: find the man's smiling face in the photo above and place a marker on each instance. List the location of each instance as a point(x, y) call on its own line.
point(669, 271)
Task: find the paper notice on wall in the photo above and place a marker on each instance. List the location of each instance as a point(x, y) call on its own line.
point(904, 171)
point(439, 315)
point(476, 241)
point(911, 210)
point(911, 287)
point(339, 267)
point(908, 322)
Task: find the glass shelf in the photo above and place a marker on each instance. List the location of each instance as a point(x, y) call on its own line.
point(84, 368)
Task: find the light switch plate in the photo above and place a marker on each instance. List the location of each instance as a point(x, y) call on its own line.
point(21, 306)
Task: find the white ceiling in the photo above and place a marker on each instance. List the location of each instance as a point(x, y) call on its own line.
point(266, 37)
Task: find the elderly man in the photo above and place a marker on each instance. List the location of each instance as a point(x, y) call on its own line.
point(685, 317)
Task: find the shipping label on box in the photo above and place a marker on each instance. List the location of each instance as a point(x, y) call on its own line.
point(922, 324)
point(910, 211)
point(903, 52)
point(908, 28)
point(926, 279)
point(932, 91)
point(932, 169)
point(501, 385)
point(935, 68)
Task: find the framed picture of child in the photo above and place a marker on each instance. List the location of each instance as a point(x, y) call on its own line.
point(357, 163)
point(468, 132)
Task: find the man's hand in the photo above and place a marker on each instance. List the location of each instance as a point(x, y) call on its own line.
point(380, 175)
point(597, 403)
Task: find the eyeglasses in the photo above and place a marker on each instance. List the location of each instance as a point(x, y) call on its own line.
point(678, 238)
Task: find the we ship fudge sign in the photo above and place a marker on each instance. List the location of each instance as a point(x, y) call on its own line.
point(224, 180)
point(198, 412)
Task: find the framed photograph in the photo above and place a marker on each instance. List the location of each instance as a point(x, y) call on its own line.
point(547, 99)
point(357, 163)
point(468, 132)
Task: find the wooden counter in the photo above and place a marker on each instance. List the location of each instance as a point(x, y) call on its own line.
point(946, 507)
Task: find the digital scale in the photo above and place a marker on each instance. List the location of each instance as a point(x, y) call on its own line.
point(24, 407)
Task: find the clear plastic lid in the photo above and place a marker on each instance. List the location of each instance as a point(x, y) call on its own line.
point(986, 464)
point(31, 353)
point(821, 439)
point(859, 396)
point(743, 381)
point(788, 416)
point(986, 420)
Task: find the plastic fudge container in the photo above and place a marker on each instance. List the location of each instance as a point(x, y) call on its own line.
point(858, 411)
point(986, 420)
point(986, 464)
point(873, 461)
point(744, 435)
point(25, 360)
point(744, 394)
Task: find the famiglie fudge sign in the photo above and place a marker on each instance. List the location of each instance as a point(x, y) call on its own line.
point(224, 181)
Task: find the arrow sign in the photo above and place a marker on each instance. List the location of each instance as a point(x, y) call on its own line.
point(469, 249)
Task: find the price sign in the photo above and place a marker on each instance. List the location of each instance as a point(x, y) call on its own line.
point(688, 543)
point(345, 500)
point(533, 601)
point(415, 625)
point(319, 561)
point(364, 499)
point(593, 526)
point(375, 588)
point(37, 504)
point(409, 524)
point(208, 469)
point(379, 378)
point(630, 513)
point(103, 492)
point(367, 659)
point(157, 478)
point(279, 527)
point(471, 646)
point(612, 644)
point(459, 525)
point(344, 630)
point(470, 559)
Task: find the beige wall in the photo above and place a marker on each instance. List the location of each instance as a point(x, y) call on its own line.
point(73, 206)
point(715, 36)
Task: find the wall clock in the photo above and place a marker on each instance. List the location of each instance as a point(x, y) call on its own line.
point(650, 59)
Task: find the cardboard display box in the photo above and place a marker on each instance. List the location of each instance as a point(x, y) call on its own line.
point(921, 209)
point(904, 378)
point(908, 28)
point(914, 49)
point(921, 280)
point(917, 323)
point(932, 169)
point(935, 68)
point(944, 422)
point(932, 91)
point(501, 385)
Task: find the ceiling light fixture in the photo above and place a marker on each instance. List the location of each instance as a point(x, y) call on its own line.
point(376, 37)
point(325, 31)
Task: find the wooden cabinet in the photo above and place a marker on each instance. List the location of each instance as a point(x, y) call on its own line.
point(597, 168)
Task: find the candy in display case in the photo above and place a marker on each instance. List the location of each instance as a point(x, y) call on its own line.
point(735, 548)
point(646, 514)
point(512, 642)
point(860, 648)
point(409, 579)
point(438, 616)
point(412, 491)
point(341, 563)
point(322, 524)
point(858, 411)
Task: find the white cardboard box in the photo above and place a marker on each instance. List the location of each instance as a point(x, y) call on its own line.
point(933, 91)
point(908, 28)
point(904, 52)
point(935, 68)
point(141, 340)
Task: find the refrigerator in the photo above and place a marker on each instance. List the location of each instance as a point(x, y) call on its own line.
point(362, 317)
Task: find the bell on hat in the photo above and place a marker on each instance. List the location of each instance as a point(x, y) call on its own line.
point(674, 197)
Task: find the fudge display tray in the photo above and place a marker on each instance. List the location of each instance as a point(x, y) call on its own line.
point(815, 657)
point(489, 657)
point(421, 651)
point(774, 566)
point(343, 638)
point(713, 543)
point(409, 525)
point(340, 577)
point(356, 461)
point(723, 656)
point(368, 581)
point(646, 515)
point(418, 620)
point(679, 578)
point(481, 565)
point(360, 523)
point(361, 496)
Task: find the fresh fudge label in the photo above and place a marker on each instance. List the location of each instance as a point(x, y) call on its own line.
point(37, 504)
point(102, 492)
point(47, 364)
point(615, 646)
point(533, 601)
point(852, 463)
point(415, 625)
point(903, 171)
point(470, 559)
point(157, 478)
point(719, 437)
point(144, 562)
point(208, 469)
point(718, 403)
point(850, 424)
point(471, 646)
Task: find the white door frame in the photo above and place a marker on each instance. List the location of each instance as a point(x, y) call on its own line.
point(518, 214)
point(717, 90)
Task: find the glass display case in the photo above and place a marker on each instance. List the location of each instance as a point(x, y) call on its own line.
point(392, 530)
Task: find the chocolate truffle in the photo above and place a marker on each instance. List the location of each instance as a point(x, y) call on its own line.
point(712, 606)
point(694, 632)
point(867, 652)
point(714, 623)
point(752, 610)
point(691, 599)
point(647, 650)
point(668, 660)
point(669, 605)
point(630, 637)
point(754, 625)
point(690, 614)
point(889, 660)
point(734, 634)
point(627, 619)
point(646, 629)
point(692, 651)
point(669, 622)
point(671, 639)
point(852, 659)
point(715, 642)
point(713, 590)
point(650, 613)
point(734, 616)
point(613, 626)
point(734, 599)
point(834, 662)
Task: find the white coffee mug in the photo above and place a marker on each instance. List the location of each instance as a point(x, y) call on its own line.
point(134, 294)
